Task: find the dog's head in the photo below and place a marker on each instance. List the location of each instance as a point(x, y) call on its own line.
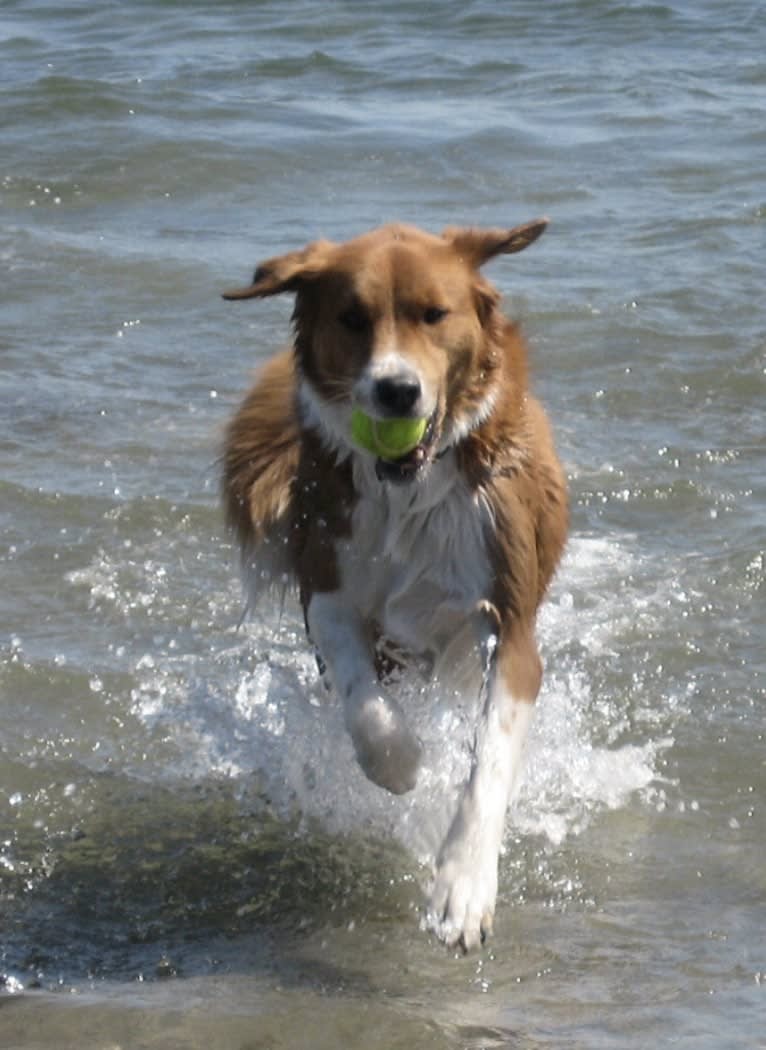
point(398, 324)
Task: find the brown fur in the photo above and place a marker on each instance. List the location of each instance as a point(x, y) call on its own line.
point(261, 455)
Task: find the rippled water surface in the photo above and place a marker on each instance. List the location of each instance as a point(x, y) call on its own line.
point(188, 855)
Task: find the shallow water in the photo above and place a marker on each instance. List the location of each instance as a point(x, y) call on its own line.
point(188, 855)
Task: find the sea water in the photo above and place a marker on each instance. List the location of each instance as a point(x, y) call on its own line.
point(189, 856)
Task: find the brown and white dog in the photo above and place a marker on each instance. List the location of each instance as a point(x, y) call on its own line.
point(459, 537)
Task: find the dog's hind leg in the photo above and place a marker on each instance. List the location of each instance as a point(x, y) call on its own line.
point(386, 748)
point(462, 903)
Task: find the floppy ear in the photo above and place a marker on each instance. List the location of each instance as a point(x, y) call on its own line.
point(286, 273)
point(478, 246)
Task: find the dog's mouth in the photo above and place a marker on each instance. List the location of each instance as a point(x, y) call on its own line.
point(409, 467)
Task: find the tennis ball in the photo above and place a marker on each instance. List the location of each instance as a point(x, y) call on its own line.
point(387, 438)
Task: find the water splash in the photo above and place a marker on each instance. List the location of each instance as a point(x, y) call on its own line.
point(255, 711)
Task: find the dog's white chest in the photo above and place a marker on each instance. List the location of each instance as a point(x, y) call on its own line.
point(416, 563)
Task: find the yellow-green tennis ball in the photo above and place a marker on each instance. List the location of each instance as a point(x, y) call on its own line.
point(387, 438)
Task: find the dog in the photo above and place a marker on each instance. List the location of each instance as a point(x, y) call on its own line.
point(457, 537)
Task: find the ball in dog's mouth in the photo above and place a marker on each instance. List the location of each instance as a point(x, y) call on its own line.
point(407, 467)
point(390, 438)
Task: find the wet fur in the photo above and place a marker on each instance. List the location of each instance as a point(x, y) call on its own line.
point(471, 543)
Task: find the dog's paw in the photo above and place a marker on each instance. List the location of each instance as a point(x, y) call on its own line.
point(461, 908)
point(386, 748)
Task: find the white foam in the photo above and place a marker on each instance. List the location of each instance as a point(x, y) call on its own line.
point(257, 712)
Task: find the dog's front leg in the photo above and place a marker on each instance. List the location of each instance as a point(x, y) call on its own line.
point(386, 748)
point(462, 904)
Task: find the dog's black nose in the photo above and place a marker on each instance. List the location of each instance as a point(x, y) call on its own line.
point(397, 395)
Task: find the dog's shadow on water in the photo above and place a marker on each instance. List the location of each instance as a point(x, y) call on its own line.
point(198, 892)
point(188, 880)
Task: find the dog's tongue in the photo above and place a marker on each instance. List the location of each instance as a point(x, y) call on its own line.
point(403, 469)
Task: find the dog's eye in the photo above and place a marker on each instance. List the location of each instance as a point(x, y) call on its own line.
point(434, 314)
point(354, 318)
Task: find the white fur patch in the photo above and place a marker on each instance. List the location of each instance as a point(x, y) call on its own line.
point(331, 418)
point(462, 901)
point(386, 748)
point(416, 564)
point(456, 430)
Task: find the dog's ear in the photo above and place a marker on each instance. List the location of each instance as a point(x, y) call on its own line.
point(286, 273)
point(478, 246)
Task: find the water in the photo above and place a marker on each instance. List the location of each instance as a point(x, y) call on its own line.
point(188, 856)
